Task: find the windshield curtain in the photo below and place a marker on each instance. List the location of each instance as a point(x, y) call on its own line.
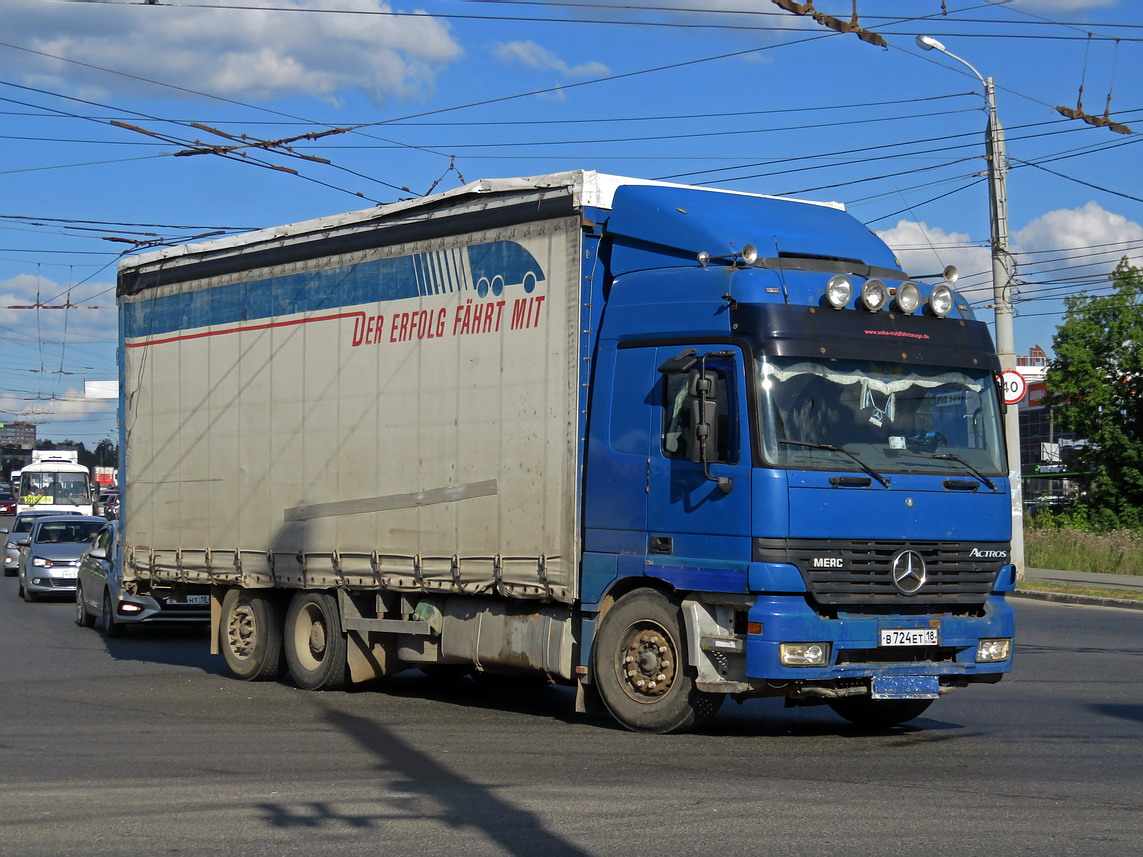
point(894, 417)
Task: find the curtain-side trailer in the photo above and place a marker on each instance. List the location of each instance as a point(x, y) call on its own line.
point(668, 444)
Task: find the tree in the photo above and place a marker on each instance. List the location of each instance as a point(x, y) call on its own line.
point(1095, 385)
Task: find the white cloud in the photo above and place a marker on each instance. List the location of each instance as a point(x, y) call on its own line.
point(1063, 5)
point(924, 249)
point(49, 323)
point(534, 56)
point(66, 406)
point(1070, 242)
point(237, 53)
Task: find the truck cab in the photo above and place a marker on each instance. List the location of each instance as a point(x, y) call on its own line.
point(801, 455)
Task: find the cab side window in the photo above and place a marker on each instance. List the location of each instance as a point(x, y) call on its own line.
point(678, 430)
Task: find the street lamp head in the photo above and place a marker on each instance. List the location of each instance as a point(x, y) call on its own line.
point(928, 43)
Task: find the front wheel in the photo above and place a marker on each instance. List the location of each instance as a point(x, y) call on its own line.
point(315, 645)
point(879, 713)
point(640, 667)
point(27, 594)
point(250, 635)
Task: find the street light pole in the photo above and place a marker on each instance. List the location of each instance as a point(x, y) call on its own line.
point(1001, 289)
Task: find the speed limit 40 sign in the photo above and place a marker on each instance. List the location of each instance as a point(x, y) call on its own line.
point(1014, 385)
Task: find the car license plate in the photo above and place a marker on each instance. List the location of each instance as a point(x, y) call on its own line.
point(910, 637)
point(198, 600)
point(68, 573)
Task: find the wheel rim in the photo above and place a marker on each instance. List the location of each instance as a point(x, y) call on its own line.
point(241, 632)
point(646, 662)
point(310, 637)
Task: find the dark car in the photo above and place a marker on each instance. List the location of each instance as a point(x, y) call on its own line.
point(18, 535)
point(49, 561)
point(100, 593)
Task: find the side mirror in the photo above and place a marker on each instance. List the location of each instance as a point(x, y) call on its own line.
point(704, 416)
point(97, 552)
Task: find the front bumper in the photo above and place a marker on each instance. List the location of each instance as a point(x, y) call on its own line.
point(855, 652)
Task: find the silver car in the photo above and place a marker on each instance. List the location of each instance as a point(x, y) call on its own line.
point(100, 593)
point(49, 561)
point(18, 535)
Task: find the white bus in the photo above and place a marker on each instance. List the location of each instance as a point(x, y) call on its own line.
point(54, 482)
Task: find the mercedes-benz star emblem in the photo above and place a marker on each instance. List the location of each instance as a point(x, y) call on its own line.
point(908, 572)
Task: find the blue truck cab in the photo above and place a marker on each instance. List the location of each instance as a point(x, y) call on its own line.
point(794, 475)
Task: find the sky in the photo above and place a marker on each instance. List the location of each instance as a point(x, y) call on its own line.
point(130, 125)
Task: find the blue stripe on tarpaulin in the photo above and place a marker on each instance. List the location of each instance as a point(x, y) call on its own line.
point(378, 280)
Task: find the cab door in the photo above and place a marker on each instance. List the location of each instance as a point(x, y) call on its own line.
point(698, 512)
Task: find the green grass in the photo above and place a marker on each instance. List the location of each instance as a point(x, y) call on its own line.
point(1067, 589)
point(1072, 549)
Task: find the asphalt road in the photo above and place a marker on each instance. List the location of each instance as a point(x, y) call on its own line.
point(143, 746)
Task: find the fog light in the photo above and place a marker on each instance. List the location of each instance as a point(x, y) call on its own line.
point(129, 607)
point(803, 654)
point(992, 651)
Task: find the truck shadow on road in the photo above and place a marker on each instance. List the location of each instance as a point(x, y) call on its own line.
point(420, 788)
point(178, 647)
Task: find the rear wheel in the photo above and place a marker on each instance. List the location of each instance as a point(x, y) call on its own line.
point(640, 667)
point(82, 617)
point(111, 628)
point(315, 645)
point(879, 713)
point(250, 635)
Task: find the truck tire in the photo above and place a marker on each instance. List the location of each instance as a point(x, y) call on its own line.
point(879, 713)
point(315, 644)
point(640, 667)
point(250, 635)
point(111, 628)
point(82, 617)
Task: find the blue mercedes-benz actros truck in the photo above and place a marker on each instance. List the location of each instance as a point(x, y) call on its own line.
point(667, 444)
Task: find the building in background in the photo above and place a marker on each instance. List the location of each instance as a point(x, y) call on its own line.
point(1045, 451)
point(17, 436)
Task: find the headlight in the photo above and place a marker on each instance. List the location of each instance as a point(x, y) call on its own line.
point(908, 297)
point(993, 651)
point(941, 301)
point(803, 654)
point(40, 562)
point(839, 290)
point(873, 295)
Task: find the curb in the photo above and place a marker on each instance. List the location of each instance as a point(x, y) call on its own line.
point(1081, 600)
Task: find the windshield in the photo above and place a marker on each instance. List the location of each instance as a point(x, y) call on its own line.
point(890, 416)
point(67, 532)
point(54, 488)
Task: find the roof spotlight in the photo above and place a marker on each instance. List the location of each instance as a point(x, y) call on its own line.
point(839, 290)
point(908, 297)
point(874, 295)
point(941, 301)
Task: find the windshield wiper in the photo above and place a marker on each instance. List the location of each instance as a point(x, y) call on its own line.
point(948, 456)
point(833, 448)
